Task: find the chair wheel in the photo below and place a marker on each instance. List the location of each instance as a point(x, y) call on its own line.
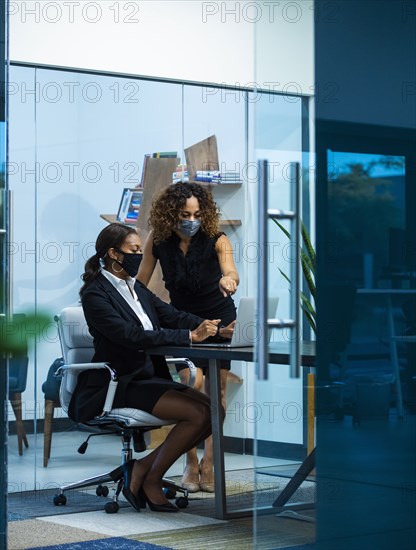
point(102, 491)
point(182, 502)
point(111, 507)
point(169, 493)
point(59, 500)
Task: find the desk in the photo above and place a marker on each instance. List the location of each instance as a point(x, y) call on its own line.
point(278, 355)
point(388, 293)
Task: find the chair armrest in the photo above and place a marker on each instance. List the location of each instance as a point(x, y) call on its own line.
point(85, 366)
point(188, 363)
point(70, 375)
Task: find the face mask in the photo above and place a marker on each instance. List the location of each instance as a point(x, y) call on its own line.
point(130, 263)
point(189, 227)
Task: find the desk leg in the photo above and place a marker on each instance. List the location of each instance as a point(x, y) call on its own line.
point(394, 358)
point(302, 473)
point(217, 440)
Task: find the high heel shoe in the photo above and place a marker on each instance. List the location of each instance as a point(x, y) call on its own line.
point(131, 498)
point(168, 507)
point(190, 479)
point(207, 478)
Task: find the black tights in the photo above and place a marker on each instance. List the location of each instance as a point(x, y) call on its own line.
point(191, 412)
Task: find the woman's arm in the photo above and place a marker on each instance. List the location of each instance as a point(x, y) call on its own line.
point(230, 279)
point(148, 262)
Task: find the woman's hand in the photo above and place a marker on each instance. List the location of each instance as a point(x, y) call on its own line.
point(228, 331)
point(206, 329)
point(228, 286)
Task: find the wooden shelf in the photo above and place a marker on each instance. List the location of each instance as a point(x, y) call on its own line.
point(222, 185)
point(112, 218)
point(230, 223)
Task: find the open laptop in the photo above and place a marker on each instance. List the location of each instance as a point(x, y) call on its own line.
point(246, 329)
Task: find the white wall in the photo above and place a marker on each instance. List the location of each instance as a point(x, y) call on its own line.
point(186, 40)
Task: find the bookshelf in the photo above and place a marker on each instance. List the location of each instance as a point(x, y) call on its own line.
point(158, 175)
point(112, 218)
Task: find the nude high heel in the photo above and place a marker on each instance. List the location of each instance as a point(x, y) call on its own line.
point(206, 482)
point(190, 479)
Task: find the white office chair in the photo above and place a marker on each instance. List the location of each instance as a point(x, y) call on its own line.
point(77, 351)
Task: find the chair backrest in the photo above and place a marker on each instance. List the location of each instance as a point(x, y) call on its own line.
point(77, 351)
point(76, 341)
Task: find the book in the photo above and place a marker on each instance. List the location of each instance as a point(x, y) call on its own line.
point(165, 155)
point(130, 203)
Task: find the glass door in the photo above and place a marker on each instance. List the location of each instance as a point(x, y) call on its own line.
point(279, 400)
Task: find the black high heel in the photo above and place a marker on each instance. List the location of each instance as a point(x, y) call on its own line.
point(136, 502)
point(168, 507)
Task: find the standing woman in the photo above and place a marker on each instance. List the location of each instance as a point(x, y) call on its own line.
point(200, 274)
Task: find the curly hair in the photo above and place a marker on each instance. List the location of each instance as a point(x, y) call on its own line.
point(164, 214)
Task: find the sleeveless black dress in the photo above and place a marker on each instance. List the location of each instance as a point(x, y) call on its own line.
point(192, 280)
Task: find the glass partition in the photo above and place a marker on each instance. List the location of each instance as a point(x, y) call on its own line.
point(279, 426)
point(76, 141)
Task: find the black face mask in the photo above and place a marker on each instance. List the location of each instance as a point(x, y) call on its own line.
point(130, 263)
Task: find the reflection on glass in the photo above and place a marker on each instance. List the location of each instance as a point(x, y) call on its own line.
point(367, 215)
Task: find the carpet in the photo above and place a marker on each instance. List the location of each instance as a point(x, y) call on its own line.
point(34, 504)
point(104, 544)
point(244, 489)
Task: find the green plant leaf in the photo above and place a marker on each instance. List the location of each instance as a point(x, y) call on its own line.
point(283, 229)
point(308, 262)
point(308, 245)
point(284, 275)
point(18, 331)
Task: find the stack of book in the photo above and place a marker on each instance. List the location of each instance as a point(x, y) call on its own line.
point(180, 174)
point(165, 155)
point(208, 176)
point(214, 176)
point(230, 177)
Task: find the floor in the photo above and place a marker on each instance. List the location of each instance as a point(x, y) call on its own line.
point(37, 523)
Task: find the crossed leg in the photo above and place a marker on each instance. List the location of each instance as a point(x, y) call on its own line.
point(191, 410)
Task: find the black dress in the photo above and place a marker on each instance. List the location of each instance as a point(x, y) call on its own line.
point(192, 280)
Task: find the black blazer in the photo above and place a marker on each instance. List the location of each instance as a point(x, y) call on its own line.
point(120, 340)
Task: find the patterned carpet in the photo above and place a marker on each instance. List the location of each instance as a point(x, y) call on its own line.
point(193, 529)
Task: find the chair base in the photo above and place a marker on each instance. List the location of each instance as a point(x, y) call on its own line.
point(111, 507)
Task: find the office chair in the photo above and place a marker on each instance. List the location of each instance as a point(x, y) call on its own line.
point(130, 424)
point(17, 385)
point(18, 366)
point(51, 390)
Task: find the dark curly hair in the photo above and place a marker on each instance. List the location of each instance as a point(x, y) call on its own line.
point(164, 214)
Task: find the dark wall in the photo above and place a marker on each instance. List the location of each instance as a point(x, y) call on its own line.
point(366, 107)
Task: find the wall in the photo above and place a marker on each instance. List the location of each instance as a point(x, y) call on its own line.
point(186, 40)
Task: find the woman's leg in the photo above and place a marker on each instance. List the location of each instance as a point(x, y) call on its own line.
point(190, 478)
point(191, 410)
point(207, 462)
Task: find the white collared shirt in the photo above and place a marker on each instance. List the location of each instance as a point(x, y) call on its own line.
point(126, 289)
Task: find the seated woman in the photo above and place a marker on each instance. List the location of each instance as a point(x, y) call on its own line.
point(125, 319)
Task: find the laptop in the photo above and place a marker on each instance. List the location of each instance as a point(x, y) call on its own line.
point(247, 330)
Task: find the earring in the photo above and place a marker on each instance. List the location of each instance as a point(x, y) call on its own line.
point(115, 270)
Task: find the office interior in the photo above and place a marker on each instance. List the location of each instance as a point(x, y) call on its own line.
point(293, 87)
